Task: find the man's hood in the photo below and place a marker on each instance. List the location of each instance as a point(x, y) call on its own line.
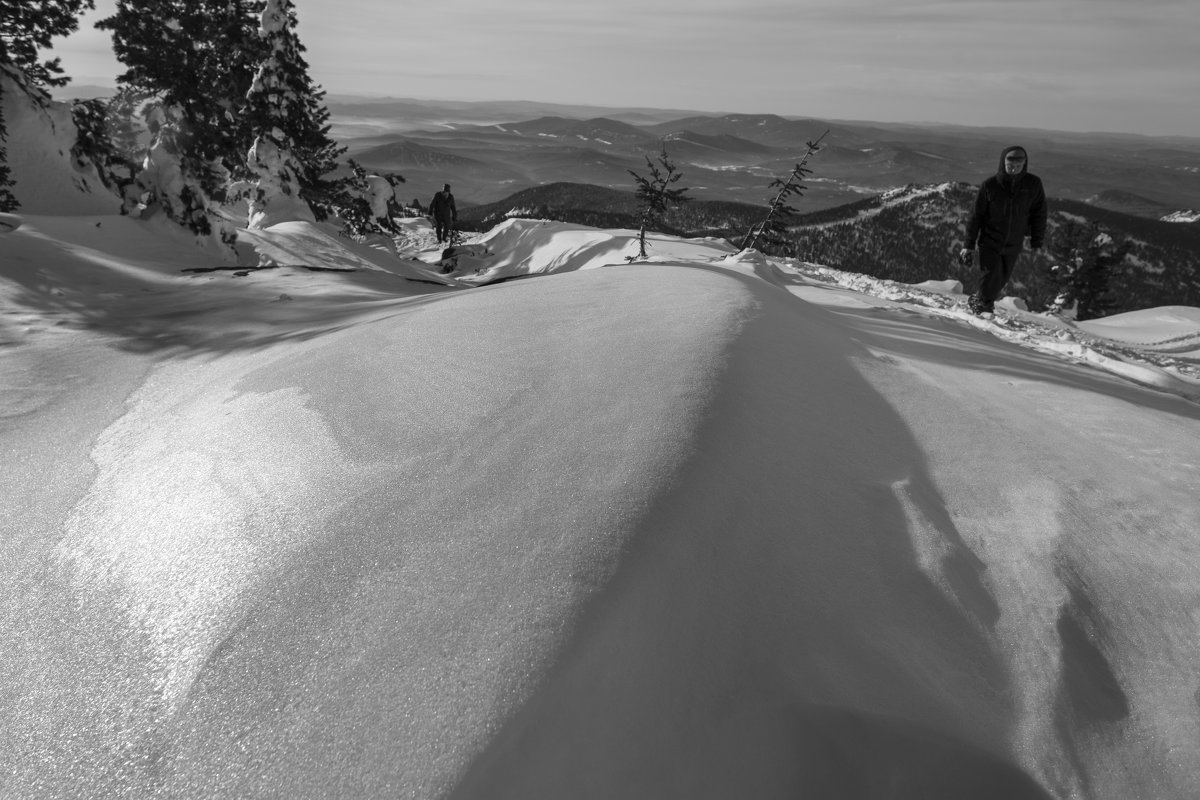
point(1024, 169)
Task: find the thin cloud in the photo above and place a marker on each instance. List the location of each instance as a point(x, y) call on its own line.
point(935, 58)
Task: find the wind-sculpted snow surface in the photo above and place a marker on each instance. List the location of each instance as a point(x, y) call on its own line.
point(772, 632)
point(706, 527)
point(1157, 347)
point(519, 248)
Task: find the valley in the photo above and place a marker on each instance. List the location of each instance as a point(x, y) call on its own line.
point(490, 151)
point(885, 200)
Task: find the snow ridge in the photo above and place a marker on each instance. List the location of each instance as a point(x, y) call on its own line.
point(1170, 363)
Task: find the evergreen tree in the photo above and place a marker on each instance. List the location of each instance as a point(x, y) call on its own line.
point(385, 201)
point(366, 203)
point(655, 195)
point(772, 229)
point(198, 56)
point(291, 151)
point(195, 60)
point(27, 27)
point(1087, 257)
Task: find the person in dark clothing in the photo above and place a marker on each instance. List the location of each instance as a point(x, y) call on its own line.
point(445, 214)
point(1010, 206)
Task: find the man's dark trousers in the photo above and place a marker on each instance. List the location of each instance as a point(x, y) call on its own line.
point(997, 268)
point(442, 227)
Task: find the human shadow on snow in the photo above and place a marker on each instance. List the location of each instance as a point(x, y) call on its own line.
point(770, 631)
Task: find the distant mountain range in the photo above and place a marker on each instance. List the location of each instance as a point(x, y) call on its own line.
point(356, 116)
point(489, 151)
point(909, 235)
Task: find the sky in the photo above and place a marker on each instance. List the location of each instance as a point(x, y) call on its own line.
point(1081, 65)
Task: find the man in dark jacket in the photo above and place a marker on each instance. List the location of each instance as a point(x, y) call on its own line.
point(445, 214)
point(1010, 206)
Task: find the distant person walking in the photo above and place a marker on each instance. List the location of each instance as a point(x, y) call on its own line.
point(445, 213)
point(1010, 206)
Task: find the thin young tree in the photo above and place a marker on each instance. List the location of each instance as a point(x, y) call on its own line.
point(773, 227)
point(655, 193)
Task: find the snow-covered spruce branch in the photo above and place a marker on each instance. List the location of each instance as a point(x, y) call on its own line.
point(28, 28)
point(238, 119)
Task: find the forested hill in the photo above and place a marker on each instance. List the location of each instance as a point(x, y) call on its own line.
point(913, 234)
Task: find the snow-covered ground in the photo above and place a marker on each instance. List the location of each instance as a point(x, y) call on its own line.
point(382, 520)
point(709, 526)
point(1185, 216)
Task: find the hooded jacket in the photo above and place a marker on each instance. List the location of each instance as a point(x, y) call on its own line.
point(442, 206)
point(1007, 209)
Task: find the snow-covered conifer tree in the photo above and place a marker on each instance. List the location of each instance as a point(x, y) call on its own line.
point(1087, 257)
point(366, 203)
point(384, 202)
point(291, 151)
point(195, 59)
point(199, 55)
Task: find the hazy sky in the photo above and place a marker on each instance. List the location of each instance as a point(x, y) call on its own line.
point(1104, 65)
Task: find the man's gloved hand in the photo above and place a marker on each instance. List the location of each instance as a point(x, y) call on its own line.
point(965, 255)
